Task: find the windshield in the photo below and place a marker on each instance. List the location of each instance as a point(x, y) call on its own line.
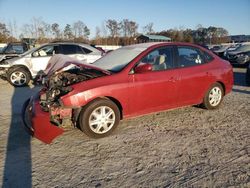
point(116, 60)
point(29, 52)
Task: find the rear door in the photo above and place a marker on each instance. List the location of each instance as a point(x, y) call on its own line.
point(195, 74)
point(156, 90)
point(74, 51)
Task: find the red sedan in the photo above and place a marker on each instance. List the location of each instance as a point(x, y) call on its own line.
point(131, 81)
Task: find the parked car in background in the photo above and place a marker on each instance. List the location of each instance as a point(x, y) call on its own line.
point(221, 50)
point(13, 49)
point(20, 70)
point(127, 82)
point(248, 75)
point(215, 47)
point(240, 55)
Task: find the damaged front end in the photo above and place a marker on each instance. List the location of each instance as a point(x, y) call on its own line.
point(45, 116)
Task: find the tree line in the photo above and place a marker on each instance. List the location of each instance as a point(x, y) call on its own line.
point(111, 32)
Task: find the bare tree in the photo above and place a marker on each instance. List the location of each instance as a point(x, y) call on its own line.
point(4, 33)
point(47, 29)
point(86, 32)
point(78, 29)
point(27, 31)
point(104, 29)
point(114, 27)
point(147, 29)
point(56, 30)
point(10, 28)
point(15, 28)
point(129, 28)
point(97, 32)
point(125, 27)
point(68, 34)
point(133, 26)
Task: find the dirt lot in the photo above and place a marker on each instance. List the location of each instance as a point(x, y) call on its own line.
point(187, 147)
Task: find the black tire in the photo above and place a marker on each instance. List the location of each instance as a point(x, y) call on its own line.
point(248, 76)
point(208, 100)
point(87, 114)
point(18, 76)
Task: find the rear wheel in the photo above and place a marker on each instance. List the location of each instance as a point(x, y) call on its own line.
point(18, 76)
point(213, 97)
point(99, 118)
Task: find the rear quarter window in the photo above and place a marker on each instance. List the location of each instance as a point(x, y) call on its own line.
point(71, 49)
point(207, 57)
point(189, 56)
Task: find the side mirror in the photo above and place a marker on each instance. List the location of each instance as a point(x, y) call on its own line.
point(143, 68)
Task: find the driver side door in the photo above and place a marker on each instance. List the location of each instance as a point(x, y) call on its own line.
point(154, 90)
point(41, 57)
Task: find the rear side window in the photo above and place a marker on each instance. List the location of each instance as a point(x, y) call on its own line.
point(189, 56)
point(71, 49)
point(207, 57)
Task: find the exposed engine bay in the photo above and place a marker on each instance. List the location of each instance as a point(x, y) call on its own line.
point(59, 84)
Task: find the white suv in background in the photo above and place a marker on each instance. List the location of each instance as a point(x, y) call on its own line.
point(20, 70)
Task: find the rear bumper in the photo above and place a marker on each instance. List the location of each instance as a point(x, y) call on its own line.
point(37, 122)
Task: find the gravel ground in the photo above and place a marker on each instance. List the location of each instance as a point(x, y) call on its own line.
point(187, 147)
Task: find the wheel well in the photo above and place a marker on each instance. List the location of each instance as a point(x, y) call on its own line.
point(223, 86)
point(117, 103)
point(20, 66)
point(78, 110)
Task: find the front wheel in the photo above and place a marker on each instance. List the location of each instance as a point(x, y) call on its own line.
point(18, 76)
point(99, 118)
point(213, 97)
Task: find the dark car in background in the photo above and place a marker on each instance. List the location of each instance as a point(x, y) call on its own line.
point(248, 75)
point(221, 50)
point(13, 49)
point(239, 56)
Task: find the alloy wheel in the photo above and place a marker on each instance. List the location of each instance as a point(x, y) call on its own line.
point(215, 96)
point(102, 119)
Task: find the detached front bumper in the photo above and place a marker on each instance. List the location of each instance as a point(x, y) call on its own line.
point(37, 122)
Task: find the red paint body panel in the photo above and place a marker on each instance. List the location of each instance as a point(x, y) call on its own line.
point(152, 90)
point(38, 123)
point(142, 93)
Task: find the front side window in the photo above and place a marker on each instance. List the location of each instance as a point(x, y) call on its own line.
point(161, 58)
point(45, 51)
point(189, 56)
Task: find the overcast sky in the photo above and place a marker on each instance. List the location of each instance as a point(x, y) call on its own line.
point(233, 15)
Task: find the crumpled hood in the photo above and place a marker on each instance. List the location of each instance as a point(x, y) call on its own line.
point(234, 52)
point(10, 57)
point(62, 62)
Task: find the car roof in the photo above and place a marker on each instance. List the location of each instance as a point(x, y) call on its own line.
point(144, 46)
point(72, 43)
